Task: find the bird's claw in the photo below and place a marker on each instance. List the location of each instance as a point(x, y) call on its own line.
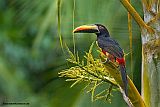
point(106, 61)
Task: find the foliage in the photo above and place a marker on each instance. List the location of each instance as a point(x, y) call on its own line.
point(31, 56)
point(96, 72)
point(90, 70)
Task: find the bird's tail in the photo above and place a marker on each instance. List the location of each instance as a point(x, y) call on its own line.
point(124, 78)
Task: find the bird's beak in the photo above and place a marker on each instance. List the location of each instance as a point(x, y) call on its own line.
point(86, 29)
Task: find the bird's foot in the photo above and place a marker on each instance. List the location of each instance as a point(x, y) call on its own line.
point(106, 61)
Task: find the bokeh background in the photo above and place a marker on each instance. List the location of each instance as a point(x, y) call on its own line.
point(31, 55)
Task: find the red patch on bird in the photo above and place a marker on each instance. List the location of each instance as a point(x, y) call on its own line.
point(104, 52)
point(121, 61)
point(109, 56)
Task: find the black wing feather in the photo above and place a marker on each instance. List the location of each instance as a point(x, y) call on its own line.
point(111, 46)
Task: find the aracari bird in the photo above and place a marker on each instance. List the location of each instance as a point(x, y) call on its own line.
point(109, 46)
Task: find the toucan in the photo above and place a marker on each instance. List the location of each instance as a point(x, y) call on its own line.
point(109, 47)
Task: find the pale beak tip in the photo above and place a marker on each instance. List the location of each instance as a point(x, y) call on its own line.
point(74, 31)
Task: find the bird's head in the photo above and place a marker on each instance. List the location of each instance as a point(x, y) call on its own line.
point(98, 29)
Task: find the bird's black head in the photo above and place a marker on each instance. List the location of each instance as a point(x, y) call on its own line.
point(102, 30)
point(98, 29)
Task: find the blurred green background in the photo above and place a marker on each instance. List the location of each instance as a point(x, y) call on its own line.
point(31, 55)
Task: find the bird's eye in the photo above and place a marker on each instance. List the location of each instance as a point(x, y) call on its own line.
point(100, 27)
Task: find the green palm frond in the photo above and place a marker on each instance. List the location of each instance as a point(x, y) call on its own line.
point(92, 72)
